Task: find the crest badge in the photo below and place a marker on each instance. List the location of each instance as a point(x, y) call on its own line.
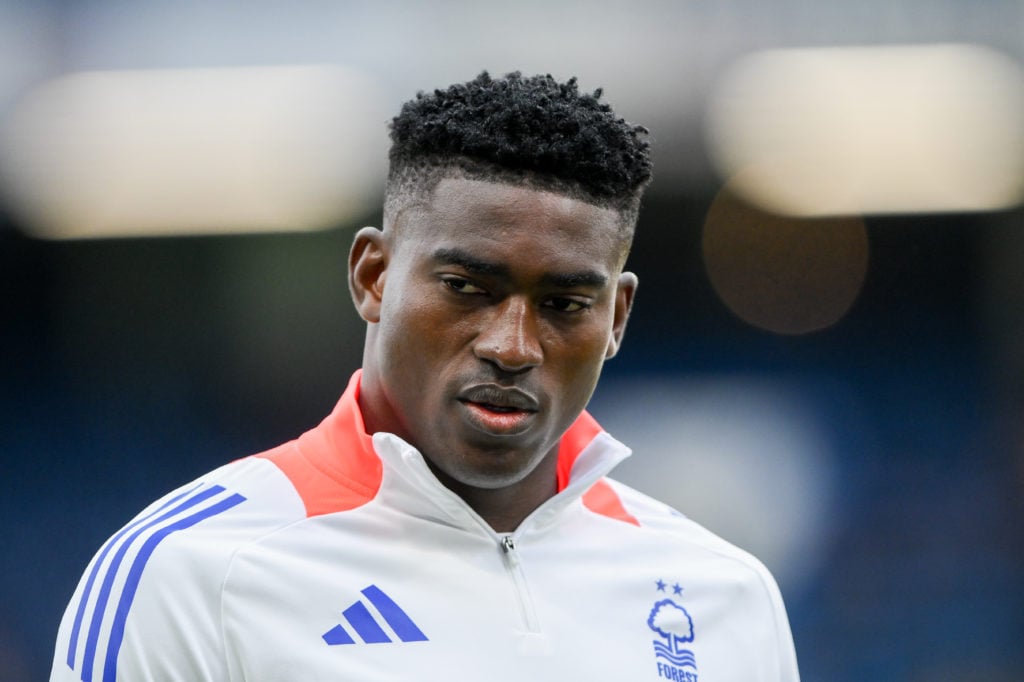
point(672, 623)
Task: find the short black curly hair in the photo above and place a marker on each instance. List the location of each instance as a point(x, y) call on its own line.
point(532, 131)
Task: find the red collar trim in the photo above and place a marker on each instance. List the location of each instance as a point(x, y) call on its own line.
point(575, 439)
point(334, 467)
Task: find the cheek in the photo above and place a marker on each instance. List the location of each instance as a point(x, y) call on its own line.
point(416, 332)
point(401, 334)
point(404, 307)
point(583, 358)
point(586, 373)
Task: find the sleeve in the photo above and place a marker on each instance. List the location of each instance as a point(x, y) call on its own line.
point(785, 650)
point(148, 605)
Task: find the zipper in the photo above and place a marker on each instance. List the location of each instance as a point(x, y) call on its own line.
point(511, 558)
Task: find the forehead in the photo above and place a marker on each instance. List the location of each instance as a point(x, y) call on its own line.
point(514, 220)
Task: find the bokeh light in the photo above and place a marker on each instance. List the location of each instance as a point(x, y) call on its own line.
point(194, 151)
point(883, 129)
point(784, 274)
point(744, 456)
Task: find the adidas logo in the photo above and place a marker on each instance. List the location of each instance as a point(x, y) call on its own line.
point(364, 623)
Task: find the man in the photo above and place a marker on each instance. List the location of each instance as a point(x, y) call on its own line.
point(451, 519)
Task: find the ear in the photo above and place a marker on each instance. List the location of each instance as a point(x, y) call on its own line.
point(624, 293)
point(367, 265)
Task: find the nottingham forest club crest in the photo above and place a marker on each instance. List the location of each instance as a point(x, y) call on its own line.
point(674, 628)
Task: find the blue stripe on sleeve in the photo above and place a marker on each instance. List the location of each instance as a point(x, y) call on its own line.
point(115, 564)
point(84, 600)
point(124, 605)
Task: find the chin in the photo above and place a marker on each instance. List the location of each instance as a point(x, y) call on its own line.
point(499, 475)
point(493, 481)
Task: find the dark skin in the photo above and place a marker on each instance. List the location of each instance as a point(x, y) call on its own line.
point(491, 309)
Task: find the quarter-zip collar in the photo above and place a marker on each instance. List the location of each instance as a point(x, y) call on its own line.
point(338, 466)
point(412, 486)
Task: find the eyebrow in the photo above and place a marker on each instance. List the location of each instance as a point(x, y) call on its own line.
point(476, 266)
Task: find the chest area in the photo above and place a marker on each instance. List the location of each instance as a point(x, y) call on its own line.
point(442, 605)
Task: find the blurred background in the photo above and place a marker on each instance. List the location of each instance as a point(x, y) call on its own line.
point(824, 364)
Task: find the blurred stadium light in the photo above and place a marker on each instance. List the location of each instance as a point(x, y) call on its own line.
point(744, 456)
point(194, 151)
point(27, 44)
point(893, 129)
point(785, 274)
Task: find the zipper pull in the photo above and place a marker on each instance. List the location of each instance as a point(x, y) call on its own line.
point(508, 548)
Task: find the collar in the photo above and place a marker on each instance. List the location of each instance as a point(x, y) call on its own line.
point(337, 466)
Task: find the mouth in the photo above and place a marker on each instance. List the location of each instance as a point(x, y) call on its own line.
point(499, 411)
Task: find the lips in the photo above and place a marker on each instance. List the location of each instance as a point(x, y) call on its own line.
point(499, 411)
point(506, 399)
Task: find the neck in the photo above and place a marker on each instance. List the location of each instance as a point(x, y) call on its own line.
point(505, 508)
point(377, 417)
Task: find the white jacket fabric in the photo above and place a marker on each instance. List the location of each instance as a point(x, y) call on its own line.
point(339, 556)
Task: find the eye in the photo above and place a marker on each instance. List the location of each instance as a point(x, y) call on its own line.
point(461, 285)
point(567, 305)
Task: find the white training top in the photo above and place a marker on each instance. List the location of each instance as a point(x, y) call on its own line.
point(341, 557)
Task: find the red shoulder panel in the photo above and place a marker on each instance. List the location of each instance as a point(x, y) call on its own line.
point(602, 499)
point(333, 467)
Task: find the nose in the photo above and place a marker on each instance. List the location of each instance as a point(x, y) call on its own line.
point(509, 339)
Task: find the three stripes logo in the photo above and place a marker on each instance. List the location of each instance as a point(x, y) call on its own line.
point(368, 628)
point(99, 626)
